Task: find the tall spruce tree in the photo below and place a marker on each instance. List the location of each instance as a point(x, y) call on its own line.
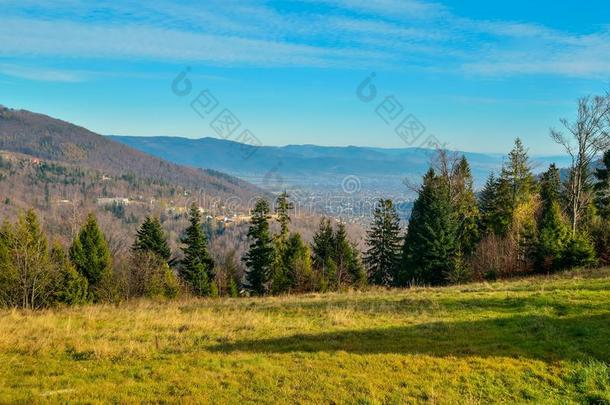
point(382, 257)
point(465, 208)
point(602, 188)
point(553, 230)
point(487, 206)
point(495, 207)
point(197, 266)
point(71, 287)
point(517, 172)
point(504, 210)
point(600, 229)
point(323, 246)
point(503, 196)
point(282, 210)
point(342, 253)
point(349, 267)
point(280, 277)
point(431, 246)
point(260, 256)
point(297, 259)
point(523, 205)
point(150, 237)
point(90, 254)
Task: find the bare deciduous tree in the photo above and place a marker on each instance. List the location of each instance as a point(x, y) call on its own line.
point(588, 135)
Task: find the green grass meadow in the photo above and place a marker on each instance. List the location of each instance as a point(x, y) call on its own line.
point(536, 340)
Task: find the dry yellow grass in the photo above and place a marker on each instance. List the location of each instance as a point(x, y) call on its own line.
point(534, 340)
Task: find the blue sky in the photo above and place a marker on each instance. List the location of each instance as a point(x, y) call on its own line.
point(475, 73)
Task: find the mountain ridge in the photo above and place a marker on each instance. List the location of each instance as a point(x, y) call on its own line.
point(312, 163)
point(49, 138)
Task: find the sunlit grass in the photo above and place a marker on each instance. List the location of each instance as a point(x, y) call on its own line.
point(543, 340)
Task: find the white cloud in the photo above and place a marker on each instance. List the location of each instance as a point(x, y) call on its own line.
point(397, 9)
point(69, 39)
point(42, 74)
point(354, 33)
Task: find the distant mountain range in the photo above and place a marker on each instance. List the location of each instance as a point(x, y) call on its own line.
point(377, 168)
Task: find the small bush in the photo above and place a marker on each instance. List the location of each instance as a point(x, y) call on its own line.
point(579, 252)
point(600, 232)
point(147, 275)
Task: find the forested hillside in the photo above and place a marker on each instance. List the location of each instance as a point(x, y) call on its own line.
point(48, 138)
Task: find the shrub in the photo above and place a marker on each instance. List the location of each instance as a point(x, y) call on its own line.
point(460, 272)
point(496, 257)
point(147, 275)
point(579, 252)
point(600, 232)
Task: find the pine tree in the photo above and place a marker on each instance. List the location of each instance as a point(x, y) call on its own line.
point(298, 264)
point(504, 210)
point(502, 197)
point(487, 206)
point(260, 256)
point(579, 252)
point(197, 266)
point(282, 210)
point(517, 172)
point(280, 278)
point(431, 244)
point(465, 208)
point(90, 254)
point(71, 287)
point(382, 257)
point(553, 230)
point(523, 203)
point(342, 254)
point(323, 246)
point(602, 188)
point(349, 267)
point(550, 186)
point(600, 227)
point(151, 238)
point(495, 207)
point(356, 268)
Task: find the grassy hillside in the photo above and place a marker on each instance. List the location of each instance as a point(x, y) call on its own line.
point(542, 340)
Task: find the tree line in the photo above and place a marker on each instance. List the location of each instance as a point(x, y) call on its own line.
point(35, 275)
point(519, 223)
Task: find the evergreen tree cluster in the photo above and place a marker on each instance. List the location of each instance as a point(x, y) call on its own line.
point(516, 225)
point(284, 263)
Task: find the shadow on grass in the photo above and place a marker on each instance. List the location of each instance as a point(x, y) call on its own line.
point(538, 337)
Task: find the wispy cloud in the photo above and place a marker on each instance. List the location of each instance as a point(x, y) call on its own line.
point(346, 33)
point(42, 74)
point(68, 39)
point(398, 9)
